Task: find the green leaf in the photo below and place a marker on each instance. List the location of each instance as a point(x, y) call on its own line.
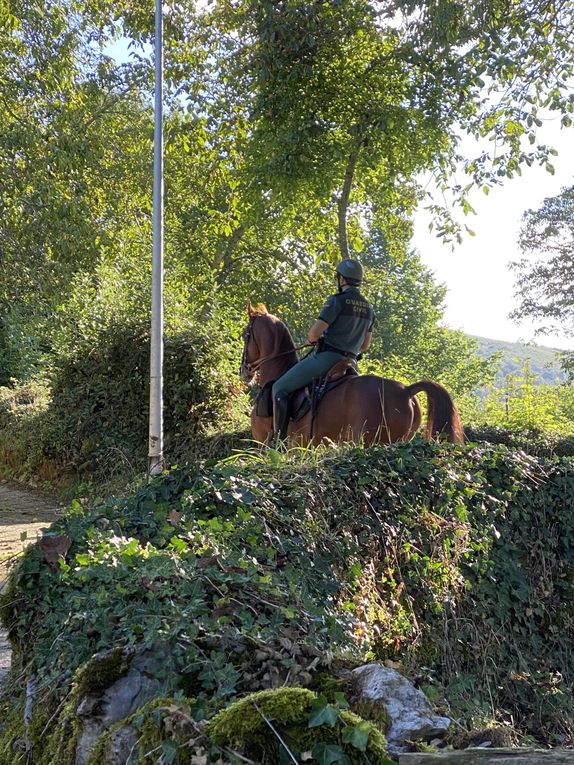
point(357, 735)
point(325, 754)
point(169, 752)
point(341, 701)
point(325, 714)
point(178, 543)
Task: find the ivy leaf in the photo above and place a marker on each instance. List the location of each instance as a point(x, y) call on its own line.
point(341, 701)
point(169, 752)
point(178, 544)
point(325, 754)
point(357, 735)
point(323, 714)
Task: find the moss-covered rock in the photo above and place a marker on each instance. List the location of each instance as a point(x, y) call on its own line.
point(103, 669)
point(373, 711)
point(298, 720)
point(243, 722)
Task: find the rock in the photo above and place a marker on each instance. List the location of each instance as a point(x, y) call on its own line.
point(409, 711)
point(123, 746)
point(87, 706)
point(97, 712)
point(481, 756)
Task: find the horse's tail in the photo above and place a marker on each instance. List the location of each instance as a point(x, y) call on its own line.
point(443, 416)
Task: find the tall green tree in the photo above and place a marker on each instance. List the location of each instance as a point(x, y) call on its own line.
point(545, 281)
point(70, 164)
point(353, 99)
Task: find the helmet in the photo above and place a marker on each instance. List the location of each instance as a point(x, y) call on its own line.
point(351, 270)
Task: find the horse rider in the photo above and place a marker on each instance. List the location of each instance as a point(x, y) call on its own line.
point(343, 330)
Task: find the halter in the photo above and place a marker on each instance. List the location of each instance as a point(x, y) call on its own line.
point(254, 366)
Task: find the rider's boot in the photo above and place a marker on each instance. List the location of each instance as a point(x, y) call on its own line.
point(280, 420)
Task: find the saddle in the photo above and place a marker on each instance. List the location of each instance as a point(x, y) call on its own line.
point(307, 398)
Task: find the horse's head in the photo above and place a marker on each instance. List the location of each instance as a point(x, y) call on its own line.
point(253, 343)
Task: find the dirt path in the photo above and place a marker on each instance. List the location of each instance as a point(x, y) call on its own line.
point(22, 512)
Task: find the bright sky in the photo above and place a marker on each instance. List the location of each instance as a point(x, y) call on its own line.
point(477, 274)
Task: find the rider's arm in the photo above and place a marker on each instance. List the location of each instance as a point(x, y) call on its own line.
point(329, 313)
point(316, 331)
point(369, 335)
point(366, 341)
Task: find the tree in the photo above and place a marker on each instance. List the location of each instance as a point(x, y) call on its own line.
point(545, 286)
point(293, 130)
point(71, 166)
point(409, 341)
point(353, 99)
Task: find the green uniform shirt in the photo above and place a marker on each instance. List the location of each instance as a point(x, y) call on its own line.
point(350, 318)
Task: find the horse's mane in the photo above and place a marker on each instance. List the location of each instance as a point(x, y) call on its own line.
point(284, 340)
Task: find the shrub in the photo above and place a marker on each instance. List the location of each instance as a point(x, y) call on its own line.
point(26, 432)
point(100, 398)
point(21, 347)
point(535, 442)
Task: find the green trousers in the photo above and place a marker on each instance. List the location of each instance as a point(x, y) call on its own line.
point(315, 365)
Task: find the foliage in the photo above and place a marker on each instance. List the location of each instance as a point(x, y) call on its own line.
point(251, 573)
point(69, 188)
point(544, 286)
point(522, 403)
point(274, 726)
point(341, 98)
point(286, 122)
point(20, 347)
point(95, 423)
point(92, 419)
point(534, 442)
point(24, 432)
point(99, 395)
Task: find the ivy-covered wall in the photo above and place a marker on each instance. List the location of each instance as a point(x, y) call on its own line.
point(264, 570)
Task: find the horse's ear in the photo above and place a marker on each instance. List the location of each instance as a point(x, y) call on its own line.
point(258, 310)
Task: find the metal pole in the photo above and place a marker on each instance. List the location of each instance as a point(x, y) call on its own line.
point(156, 354)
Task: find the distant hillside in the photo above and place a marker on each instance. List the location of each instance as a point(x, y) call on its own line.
point(544, 362)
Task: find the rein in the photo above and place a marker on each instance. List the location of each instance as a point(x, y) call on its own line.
point(254, 365)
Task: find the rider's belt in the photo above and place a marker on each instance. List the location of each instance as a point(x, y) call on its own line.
point(326, 347)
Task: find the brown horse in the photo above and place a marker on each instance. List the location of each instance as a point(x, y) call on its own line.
point(364, 408)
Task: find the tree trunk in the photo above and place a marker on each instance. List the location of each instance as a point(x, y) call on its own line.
point(343, 201)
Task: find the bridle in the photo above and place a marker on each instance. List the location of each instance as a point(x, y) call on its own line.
point(253, 367)
point(247, 333)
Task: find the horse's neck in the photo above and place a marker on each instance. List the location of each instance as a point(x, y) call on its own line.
point(282, 359)
point(276, 368)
